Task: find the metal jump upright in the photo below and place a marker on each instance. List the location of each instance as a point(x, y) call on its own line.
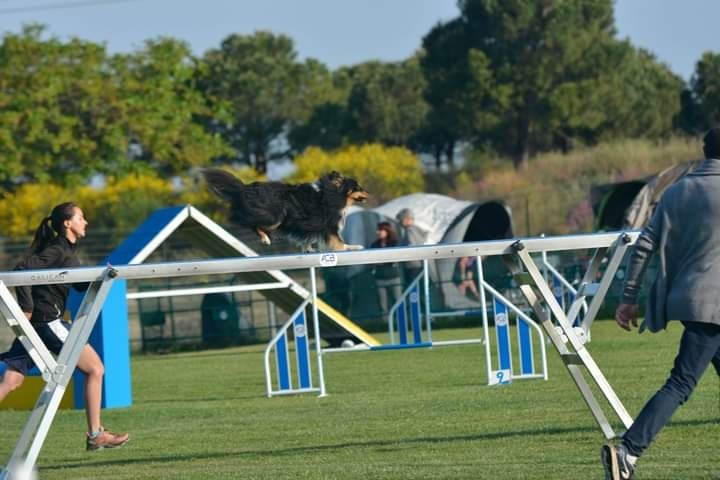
point(55, 372)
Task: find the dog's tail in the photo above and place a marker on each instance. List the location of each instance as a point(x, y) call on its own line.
point(223, 184)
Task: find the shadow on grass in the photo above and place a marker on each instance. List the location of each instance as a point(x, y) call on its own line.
point(228, 398)
point(321, 448)
point(339, 446)
point(368, 444)
point(200, 354)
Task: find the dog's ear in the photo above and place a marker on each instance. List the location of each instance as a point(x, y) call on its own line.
point(333, 178)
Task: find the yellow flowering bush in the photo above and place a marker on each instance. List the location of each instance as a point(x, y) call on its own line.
point(386, 172)
point(125, 203)
point(120, 206)
point(22, 210)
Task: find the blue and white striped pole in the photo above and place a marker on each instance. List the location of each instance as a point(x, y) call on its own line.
point(502, 335)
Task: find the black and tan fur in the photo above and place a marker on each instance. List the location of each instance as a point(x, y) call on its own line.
point(307, 213)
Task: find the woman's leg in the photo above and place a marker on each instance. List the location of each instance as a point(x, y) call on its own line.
point(91, 365)
point(473, 288)
point(97, 438)
point(11, 380)
point(383, 298)
point(397, 291)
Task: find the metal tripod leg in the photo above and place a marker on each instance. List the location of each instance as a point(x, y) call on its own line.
point(37, 427)
point(588, 287)
point(15, 318)
point(572, 351)
point(620, 247)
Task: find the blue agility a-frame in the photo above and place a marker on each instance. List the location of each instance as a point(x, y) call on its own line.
point(110, 337)
point(111, 334)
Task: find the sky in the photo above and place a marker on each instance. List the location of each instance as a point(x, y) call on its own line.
point(339, 32)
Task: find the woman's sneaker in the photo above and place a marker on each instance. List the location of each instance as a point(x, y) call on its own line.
point(105, 439)
point(618, 463)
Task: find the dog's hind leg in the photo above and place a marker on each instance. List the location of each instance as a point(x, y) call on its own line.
point(336, 244)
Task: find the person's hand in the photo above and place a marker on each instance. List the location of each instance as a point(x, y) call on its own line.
point(626, 315)
point(28, 315)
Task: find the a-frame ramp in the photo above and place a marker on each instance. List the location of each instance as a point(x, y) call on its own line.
point(219, 243)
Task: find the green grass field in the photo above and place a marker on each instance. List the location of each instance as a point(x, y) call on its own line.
point(413, 414)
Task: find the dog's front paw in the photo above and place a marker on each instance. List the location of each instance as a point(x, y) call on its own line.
point(263, 236)
point(354, 247)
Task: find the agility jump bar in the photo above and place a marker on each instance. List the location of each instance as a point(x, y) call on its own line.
point(310, 260)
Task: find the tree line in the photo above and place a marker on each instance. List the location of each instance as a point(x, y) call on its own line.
point(511, 77)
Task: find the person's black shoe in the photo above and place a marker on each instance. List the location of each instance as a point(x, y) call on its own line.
point(617, 462)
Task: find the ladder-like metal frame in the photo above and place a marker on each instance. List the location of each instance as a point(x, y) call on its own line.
point(568, 342)
point(55, 372)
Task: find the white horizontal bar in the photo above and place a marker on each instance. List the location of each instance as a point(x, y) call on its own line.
point(310, 260)
point(292, 391)
point(468, 341)
point(203, 290)
point(356, 348)
point(364, 348)
point(528, 376)
point(457, 313)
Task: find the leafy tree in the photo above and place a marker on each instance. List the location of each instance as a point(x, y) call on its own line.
point(385, 103)
point(162, 108)
point(68, 111)
point(542, 52)
point(464, 97)
point(265, 92)
point(701, 103)
point(328, 123)
point(326, 128)
point(370, 102)
point(639, 99)
point(58, 109)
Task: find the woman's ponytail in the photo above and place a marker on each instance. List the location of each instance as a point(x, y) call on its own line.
point(52, 226)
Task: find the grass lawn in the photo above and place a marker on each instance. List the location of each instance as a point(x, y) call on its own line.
point(410, 414)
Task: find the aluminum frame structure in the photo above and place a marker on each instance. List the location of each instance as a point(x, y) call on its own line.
point(485, 290)
point(570, 343)
point(57, 372)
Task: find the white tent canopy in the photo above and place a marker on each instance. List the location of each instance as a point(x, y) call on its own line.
point(433, 213)
point(444, 219)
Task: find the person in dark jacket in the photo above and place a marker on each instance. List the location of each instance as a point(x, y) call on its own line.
point(685, 233)
point(55, 246)
point(410, 234)
point(387, 275)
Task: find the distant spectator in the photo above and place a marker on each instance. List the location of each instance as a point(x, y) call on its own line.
point(387, 275)
point(464, 277)
point(410, 234)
